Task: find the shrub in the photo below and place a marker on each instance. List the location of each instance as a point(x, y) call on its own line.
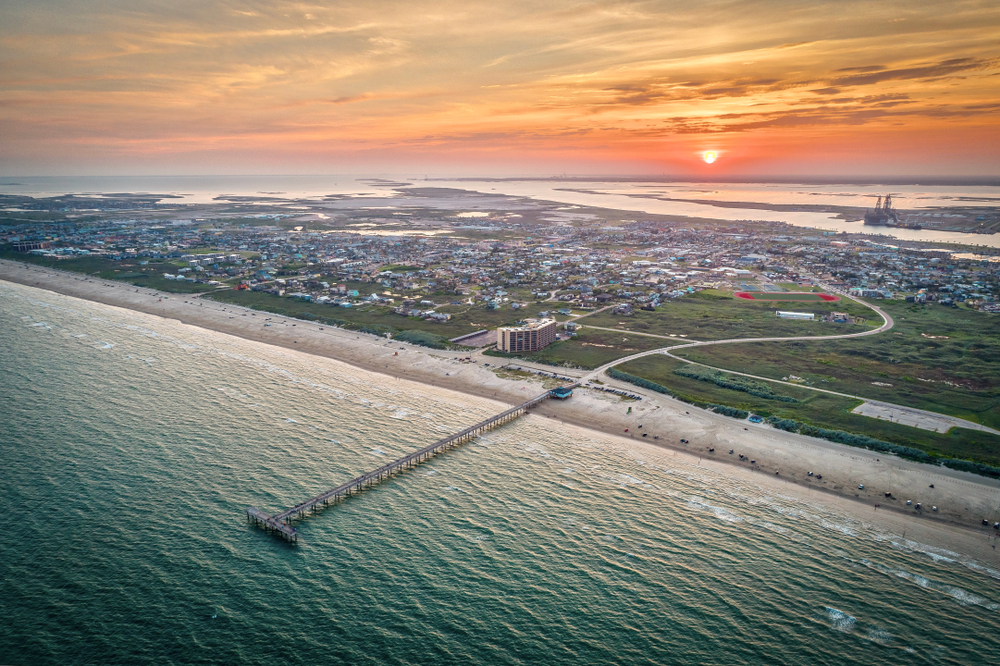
point(424, 339)
point(376, 329)
point(730, 411)
point(543, 360)
point(734, 382)
point(783, 424)
point(853, 439)
point(638, 381)
point(974, 467)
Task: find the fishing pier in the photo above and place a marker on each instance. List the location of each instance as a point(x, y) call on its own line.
point(280, 523)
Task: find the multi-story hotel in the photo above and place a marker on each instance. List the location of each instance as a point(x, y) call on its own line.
point(532, 335)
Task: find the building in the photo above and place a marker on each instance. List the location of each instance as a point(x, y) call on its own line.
point(794, 315)
point(531, 335)
point(28, 246)
point(865, 292)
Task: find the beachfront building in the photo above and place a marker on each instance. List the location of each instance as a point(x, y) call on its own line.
point(531, 335)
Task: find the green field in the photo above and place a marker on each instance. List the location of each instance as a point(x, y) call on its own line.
point(713, 315)
point(787, 296)
point(940, 359)
point(818, 409)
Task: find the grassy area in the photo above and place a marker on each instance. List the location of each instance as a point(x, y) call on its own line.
point(126, 270)
point(525, 376)
point(711, 315)
point(817, 409)
point(400, 268)
point(940, 359)
point(590, 349)
point(465, 319)
point(805, 297)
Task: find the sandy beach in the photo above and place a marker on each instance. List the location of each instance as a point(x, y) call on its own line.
point(770, 457)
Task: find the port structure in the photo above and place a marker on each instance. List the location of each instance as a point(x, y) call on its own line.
point(280, 523)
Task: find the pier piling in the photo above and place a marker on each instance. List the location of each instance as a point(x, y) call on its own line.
point(280, 523)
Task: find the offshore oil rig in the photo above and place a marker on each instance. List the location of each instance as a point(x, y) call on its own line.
point(885, 215)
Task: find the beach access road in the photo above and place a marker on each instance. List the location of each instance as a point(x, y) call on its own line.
point(918, 418)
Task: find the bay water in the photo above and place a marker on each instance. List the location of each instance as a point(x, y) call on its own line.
point(690, 199)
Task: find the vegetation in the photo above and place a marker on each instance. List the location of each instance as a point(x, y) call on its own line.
point(852, 439)
point(811, 408)
point(590, 349)
point(464, 318)
point(615, 373)
point(424, 339)
point(863, 441)
point(400, 268)
point(524, 375)
point(940, 359)
point(149, 275)
point(712, 315)
point(731, 381)
point(659, 388)
point(793, 297)
point(730, 411)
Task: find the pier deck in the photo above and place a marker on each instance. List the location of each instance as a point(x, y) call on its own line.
point(279, 523)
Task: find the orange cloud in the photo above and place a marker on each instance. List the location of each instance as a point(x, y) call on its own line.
point(569, 86)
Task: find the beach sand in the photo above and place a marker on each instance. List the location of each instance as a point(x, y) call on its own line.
point(782, 460)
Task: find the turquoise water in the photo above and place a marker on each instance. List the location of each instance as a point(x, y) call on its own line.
point(131, 446)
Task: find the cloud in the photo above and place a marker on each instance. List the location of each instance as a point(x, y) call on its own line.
point(941, 69)
point(560, 73)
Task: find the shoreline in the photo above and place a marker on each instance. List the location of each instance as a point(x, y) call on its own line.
point(782, 460)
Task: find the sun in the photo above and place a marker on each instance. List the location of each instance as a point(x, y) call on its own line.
point(709, 156)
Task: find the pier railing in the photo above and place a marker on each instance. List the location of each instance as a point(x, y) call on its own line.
point(279, 523)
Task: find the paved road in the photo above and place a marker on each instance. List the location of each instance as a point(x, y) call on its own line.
point(886, 325)
point(911, 413)
point(648, 335)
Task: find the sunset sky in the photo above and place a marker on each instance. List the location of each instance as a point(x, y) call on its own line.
point(500, 88)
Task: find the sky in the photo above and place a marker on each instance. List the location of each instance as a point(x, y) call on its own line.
point(773, 87)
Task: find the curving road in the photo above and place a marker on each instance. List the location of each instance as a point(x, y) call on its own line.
point(887, 323)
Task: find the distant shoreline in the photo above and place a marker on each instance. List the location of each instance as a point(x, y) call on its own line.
point(977, 181)
point(781, 459)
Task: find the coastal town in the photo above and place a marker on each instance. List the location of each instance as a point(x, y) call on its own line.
point(506, 263)
point(482, 333)
point(535, 290)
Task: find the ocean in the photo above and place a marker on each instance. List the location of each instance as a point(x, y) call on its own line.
point(131, 446)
